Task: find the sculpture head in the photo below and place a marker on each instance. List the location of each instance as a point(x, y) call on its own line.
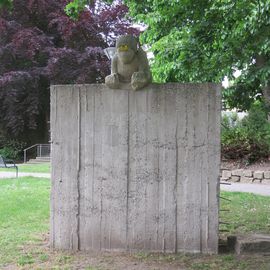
point(127, 47)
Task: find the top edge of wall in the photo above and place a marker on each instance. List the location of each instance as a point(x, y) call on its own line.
point(156, 85)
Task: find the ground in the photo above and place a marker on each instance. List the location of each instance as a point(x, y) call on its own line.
point(24, 238)
point(40, 256)
point(263, 165)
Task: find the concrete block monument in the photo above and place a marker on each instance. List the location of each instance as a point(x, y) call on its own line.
point(135, 170)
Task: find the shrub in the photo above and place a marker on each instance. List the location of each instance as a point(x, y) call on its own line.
point(249, 138)
point(12, 149)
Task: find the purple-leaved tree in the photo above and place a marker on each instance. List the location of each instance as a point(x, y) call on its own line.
point(40, 45)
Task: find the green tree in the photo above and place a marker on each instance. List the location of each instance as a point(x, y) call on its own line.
point(5, 3)
point(199, 41)
point(75, 7)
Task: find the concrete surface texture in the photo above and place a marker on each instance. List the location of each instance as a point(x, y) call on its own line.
point(135, 170)
point(246, 176)
point(256, 243)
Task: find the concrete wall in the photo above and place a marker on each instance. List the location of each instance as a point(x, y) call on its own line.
point(135, 170)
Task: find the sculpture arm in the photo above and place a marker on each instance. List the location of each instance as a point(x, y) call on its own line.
point(142, 57)
point(144, 65)
point(143, 76)
point(112, 81)
point(114, 68)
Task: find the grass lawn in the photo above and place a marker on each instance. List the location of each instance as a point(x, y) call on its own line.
point(24, 225)
point(247, 213)
point(24, 215)
point(38, 168)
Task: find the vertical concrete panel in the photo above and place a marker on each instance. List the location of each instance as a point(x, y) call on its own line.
point(167, 142)
point(85, 190)
point(201, 145)
point(112, 169)
point(151, 150)
point(135, 170)
point(214, 102)
point(106, 159)
point(65, 160)
point(138, 170)
point(192, 195)
point(182, 104)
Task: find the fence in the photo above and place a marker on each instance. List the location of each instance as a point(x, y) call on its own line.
point(37, 150)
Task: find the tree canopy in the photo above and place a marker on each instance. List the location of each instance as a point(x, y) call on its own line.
point(41, 45)
point(202, 41)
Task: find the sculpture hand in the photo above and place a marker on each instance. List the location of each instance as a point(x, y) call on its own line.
point(112, 81)
point(139, 80)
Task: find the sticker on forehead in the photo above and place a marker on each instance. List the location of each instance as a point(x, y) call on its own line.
point(123, 48)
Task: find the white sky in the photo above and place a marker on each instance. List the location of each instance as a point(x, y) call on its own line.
point(225, 82)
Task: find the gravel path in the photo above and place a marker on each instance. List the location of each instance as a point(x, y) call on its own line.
point(21, 174)
point(260, 189)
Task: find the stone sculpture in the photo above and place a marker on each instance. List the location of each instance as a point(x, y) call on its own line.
point(129, 65)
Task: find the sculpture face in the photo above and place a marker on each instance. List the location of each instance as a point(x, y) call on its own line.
point(126, 56)
point(126, 48)
point(129, 64)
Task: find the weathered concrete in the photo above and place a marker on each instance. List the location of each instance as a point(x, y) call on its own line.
point(247, 173)
point(267, 174)
point(245, 176)
point(238, 172)
point(135, 170)
point(235, 178)
point(258, 175)
point(226, 174)
point(245, 179)
point(256, 243)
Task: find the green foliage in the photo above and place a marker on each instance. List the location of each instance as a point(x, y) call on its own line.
point(74, 8)
point(12, 149)
point(248, 139)
point(204, 42)
point(233, 136)
point(6, 152)
point(25, 259)
point(6, 4)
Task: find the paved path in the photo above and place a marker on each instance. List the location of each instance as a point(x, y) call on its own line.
point(21, 174)
point(260, 189)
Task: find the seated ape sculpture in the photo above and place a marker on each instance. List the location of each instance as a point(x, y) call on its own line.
point(129, 64)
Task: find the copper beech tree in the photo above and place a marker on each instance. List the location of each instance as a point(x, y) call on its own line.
point(40, 45)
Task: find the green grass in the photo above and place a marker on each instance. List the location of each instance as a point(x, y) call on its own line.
point(247, 213)
point(24, 220)
point(35, 168)
point(24, 214)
